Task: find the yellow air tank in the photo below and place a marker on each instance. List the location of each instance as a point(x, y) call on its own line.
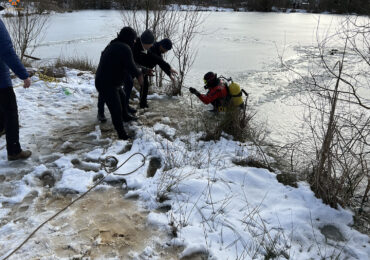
point(236, 94)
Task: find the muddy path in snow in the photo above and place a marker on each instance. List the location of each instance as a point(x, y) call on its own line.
point(103, 224)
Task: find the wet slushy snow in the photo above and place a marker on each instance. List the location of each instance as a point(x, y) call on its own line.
point(197, 204)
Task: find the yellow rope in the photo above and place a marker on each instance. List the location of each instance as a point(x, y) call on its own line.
point(42, 77)
point(47, 80)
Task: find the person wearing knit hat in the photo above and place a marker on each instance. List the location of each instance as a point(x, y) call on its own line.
point(166, 45)
point(139, 50)
point(147, 38)
point(217, 94)
point(116, 68)
point(153, 58)
point(126, 35)
point(139, 47)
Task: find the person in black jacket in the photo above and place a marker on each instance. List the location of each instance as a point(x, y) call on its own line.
point(142, 59)
point(115, 66)
point(153, 58)
point(139, 49)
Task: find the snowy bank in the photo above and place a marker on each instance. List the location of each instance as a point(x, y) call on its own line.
point(208, 204)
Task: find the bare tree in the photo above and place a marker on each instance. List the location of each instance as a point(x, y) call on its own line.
point(184, 48)
point(27, 26)
point(180, 26)
point(337, 152)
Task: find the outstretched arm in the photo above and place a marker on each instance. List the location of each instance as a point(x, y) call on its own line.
point(211, 96)
point(157, 60)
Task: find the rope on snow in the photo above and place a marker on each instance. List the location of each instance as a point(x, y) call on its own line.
point(109, 164)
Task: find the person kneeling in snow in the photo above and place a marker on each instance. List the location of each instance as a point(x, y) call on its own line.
point(217, 93)
point(8, 104)
point(115, 65)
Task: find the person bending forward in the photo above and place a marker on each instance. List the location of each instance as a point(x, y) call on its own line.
point(116, 63)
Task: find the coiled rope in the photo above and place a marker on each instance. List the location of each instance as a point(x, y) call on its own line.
point(109, 164)
point(48, 81)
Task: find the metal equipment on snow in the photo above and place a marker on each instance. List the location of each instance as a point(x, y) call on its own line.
point(235, 92)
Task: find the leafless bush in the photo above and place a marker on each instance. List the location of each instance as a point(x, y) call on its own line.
point(238, 123)
point(271, 242)
point(80, 63)
point(169, 181)
point(235, 122)
point(44, 6)
point(184, 47)
point(173, 88)
point(179, 26)
point(337, 152)
point(190, 154)
point(174, 157)
point(27, 28)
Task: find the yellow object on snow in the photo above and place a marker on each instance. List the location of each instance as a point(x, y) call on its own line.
point(236, 94)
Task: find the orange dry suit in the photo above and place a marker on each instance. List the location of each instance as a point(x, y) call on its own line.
point(218, 96)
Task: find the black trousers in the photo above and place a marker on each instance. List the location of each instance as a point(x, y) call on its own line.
point(124, 94)
point(112, 96)
point(9, 120)
point(128, 84)
point(101, 101)
point(144, 92)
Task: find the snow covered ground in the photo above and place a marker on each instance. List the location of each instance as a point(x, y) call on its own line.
point(207, 204)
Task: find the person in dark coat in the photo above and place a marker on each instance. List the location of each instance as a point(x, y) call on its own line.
point(142, 60)
point(142, 44)
point(116, 65)
point(153, 58)
point(126, 116)
point(217, 93)
point(9, 123)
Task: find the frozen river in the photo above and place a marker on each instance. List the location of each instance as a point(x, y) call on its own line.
point(243, 45)
point(231, 42)
point(199, 194)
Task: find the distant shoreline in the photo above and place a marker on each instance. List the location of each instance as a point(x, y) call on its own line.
point(178, 7)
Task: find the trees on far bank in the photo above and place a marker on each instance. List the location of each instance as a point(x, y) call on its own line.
point(340, 6)
point(333, 6)
point(334, 88)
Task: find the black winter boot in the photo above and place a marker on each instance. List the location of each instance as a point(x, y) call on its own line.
point(131, 110)
point(128, 118)
point(22, 155)
point(101, 117)
point(123, 136)
point(144, 105)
